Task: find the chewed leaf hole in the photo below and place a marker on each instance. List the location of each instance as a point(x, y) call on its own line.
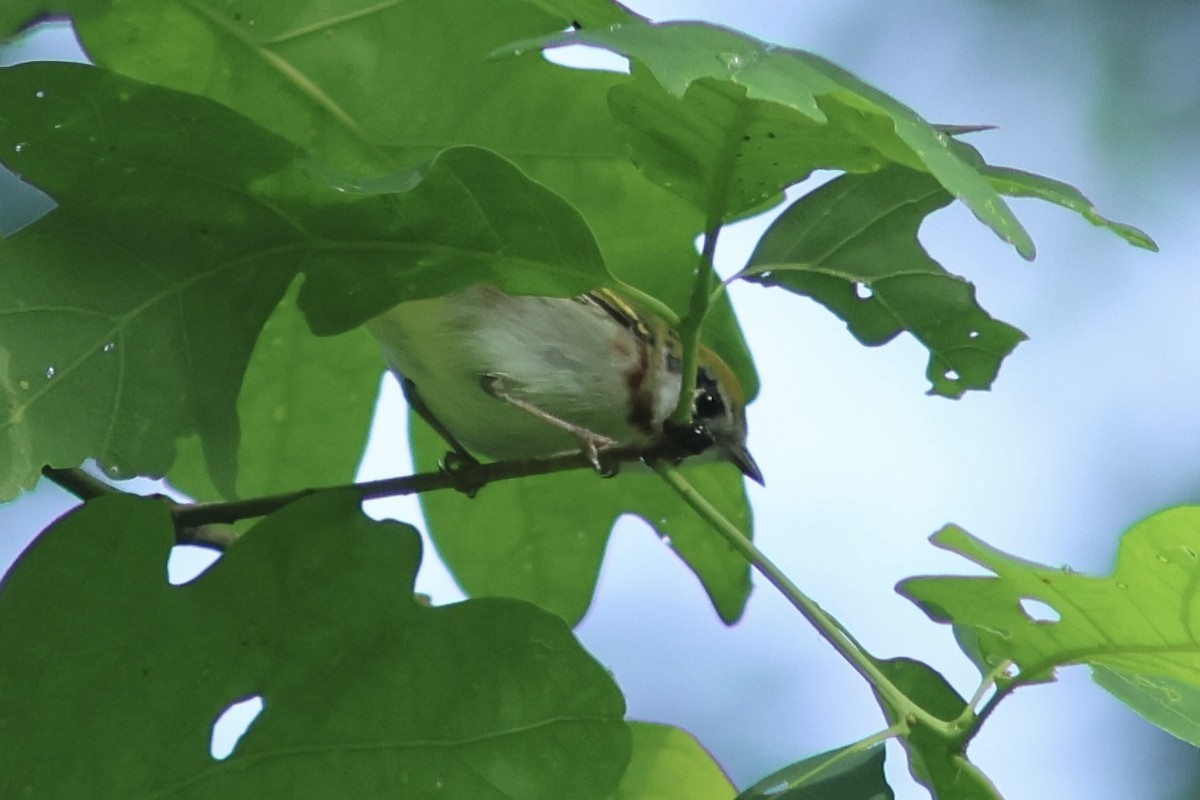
point(1038, 611)
point(578, 56)
point(232, 725)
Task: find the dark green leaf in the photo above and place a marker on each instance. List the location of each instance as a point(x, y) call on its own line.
point(936, 764)
point(852, 246)
point(132, 309)
point(680, 53)
point(848, 773)
point(377, 87)
point(112, 690)
point(726, 153)
point(1136, 622)
point(542, 539)
point(670, 763)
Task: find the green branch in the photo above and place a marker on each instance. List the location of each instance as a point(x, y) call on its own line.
point(829, 628)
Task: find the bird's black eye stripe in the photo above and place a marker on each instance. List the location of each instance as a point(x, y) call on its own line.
point(708, 403)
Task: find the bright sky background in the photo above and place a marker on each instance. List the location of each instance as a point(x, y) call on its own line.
point(1091, 425)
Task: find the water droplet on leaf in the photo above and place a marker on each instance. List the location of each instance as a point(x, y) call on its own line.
point(51, 371)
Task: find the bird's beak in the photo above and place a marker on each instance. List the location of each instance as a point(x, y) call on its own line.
point(741, 458)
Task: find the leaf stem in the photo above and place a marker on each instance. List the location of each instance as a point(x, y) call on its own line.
point(649, 302)
point(693, 321)
point(826, 625)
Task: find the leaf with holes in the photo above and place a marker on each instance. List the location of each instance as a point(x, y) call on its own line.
point(727, 153)
point(130, 312)
point(852, 246)
point(536, 540)
point(679, 54)
point(113, 689)
point(1139, 621)
point(373, 88)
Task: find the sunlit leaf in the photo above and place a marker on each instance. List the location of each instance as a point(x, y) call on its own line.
point(112, 690)
point(1138, 622)
point(670, 763)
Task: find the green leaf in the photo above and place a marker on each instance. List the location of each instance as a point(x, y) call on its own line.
point(112, 690)
point(542, 539)
point(1172, 705)
point(725, 153)
point(130, 310)
point(669, 763)
point(1017, 183)
point(939, 765)
point(161, 263)
point(848, 773)
point(1139, 621)
point(852, 246)
point(680, 53)
point(305, 408)
point(372, 89)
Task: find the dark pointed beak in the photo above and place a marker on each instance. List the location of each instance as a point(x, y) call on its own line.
point(741, 458)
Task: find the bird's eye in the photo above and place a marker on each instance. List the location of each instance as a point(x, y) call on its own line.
point(708, 403)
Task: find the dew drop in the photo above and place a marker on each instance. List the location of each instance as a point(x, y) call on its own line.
point(951, 375)
point(1189, 552)
point(51, 371)
point(109, 347)
point(863, 290)
point(39, 94)
point(19, 146)
point(973, 335)
point(1121, 585)
point(1163, 559)
point(731, 60)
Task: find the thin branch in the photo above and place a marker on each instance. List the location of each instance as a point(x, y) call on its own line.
point(826, 625)
point(201, 523)
point(80, 483)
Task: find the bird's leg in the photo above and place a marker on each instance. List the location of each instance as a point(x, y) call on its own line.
point(590, 440)
point(458, 458)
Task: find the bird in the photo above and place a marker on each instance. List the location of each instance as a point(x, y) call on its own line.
point(508, 376)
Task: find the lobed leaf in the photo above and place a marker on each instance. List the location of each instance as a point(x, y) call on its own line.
point(542, 539)
point(680, 53)
point(852, 246)
point(372, 87)
point(131, 310)
point(1138, 624)
point(295, 431)
point(112, 690)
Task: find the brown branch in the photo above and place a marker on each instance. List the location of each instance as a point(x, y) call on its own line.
point(206, 524)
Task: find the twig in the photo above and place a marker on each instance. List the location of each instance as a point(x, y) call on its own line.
point(192, 519)
point(80, 483)
point(826, 625)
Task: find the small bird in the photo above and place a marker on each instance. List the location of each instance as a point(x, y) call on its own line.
point(516, 377)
